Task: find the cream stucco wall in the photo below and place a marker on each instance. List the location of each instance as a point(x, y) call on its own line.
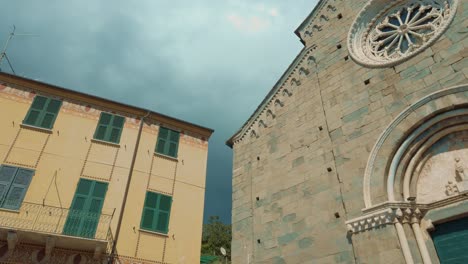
point(68, 153)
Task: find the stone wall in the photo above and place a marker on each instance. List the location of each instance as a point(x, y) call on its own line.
point(298, 175)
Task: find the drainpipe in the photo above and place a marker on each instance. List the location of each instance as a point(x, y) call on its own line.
point(127, 187)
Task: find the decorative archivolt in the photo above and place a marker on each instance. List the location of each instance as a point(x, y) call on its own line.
point(403, 152)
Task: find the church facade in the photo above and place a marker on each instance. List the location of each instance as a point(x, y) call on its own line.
point(359, 153)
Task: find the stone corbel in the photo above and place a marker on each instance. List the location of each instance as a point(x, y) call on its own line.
point(97, 252)
point(49, 247)
point(12, 240)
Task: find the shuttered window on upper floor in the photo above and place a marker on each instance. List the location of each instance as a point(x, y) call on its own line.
point(168, 142)
point(156, 212)
point(43, 112)
point(14, 183)
point(109, 128)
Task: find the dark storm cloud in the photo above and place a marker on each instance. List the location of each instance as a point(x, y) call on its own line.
point(207, 62)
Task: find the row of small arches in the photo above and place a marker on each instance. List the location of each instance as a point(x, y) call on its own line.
point(323, 17)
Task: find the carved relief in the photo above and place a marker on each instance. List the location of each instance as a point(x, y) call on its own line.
point(442, 171)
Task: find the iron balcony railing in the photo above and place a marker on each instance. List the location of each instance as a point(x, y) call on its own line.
point(56, 220)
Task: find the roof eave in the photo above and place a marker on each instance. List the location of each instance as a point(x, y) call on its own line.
point(138, 111)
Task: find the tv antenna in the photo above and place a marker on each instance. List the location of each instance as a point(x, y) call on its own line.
point(4, 54)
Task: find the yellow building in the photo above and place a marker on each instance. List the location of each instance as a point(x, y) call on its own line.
point(88, 180)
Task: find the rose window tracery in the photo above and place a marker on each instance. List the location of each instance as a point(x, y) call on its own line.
point(385, 34)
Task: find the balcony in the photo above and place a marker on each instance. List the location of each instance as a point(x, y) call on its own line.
point(56, 227)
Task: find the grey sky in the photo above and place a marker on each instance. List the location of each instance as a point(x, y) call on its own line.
point(207, 62)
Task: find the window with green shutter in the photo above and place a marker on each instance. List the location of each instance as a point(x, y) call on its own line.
point(156, 212)
point(43, 112)
point(85, 210)
point(14, 183)
point(109, 128)
point(168, 142)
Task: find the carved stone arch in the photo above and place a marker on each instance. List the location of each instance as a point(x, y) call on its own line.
point(331, 8)
point(317, 28)
point(399, 168)
point(324, 18)
point(295, 82)
point(262, 124)
point(270, 115)
point(286, 93)
point(311, 60)
point(253, 134)
point(278, 103)
point(303, 71)
point(308, 33)
point(77, 259)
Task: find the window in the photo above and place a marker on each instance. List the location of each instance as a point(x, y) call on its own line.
point(43, 112)
point(14, 183)
point(168, 142)
point(109, 128)
point(156, 212)
point(386, 33)
point(85, 211)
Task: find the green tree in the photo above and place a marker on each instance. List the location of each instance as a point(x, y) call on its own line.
point(216, 235)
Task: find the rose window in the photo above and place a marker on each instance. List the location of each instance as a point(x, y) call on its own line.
point(385, 34)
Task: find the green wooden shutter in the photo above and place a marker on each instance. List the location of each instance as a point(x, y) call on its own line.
point(85, 211)
point(168, 142)
point(35, 111)
point(50, 113)
point(101, 130)
point(94, 207)
point(173, 143)
point(156, 212)
point(116, 129)
point(148, 217)
point(73, 223)
point(109, 127)
point(18, 189)
point(164, 210)
point(7, 174)
point(162, 140)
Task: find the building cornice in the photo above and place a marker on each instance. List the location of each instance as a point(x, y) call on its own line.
point(310, 19)
point(105, 103)
point(277, 88)
point(309, 28)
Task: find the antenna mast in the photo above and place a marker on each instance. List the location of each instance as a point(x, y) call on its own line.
point(4, 54)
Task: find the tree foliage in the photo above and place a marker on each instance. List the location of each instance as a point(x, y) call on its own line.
point(216, 235)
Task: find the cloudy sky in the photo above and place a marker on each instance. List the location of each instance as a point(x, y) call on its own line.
point(209, 62)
